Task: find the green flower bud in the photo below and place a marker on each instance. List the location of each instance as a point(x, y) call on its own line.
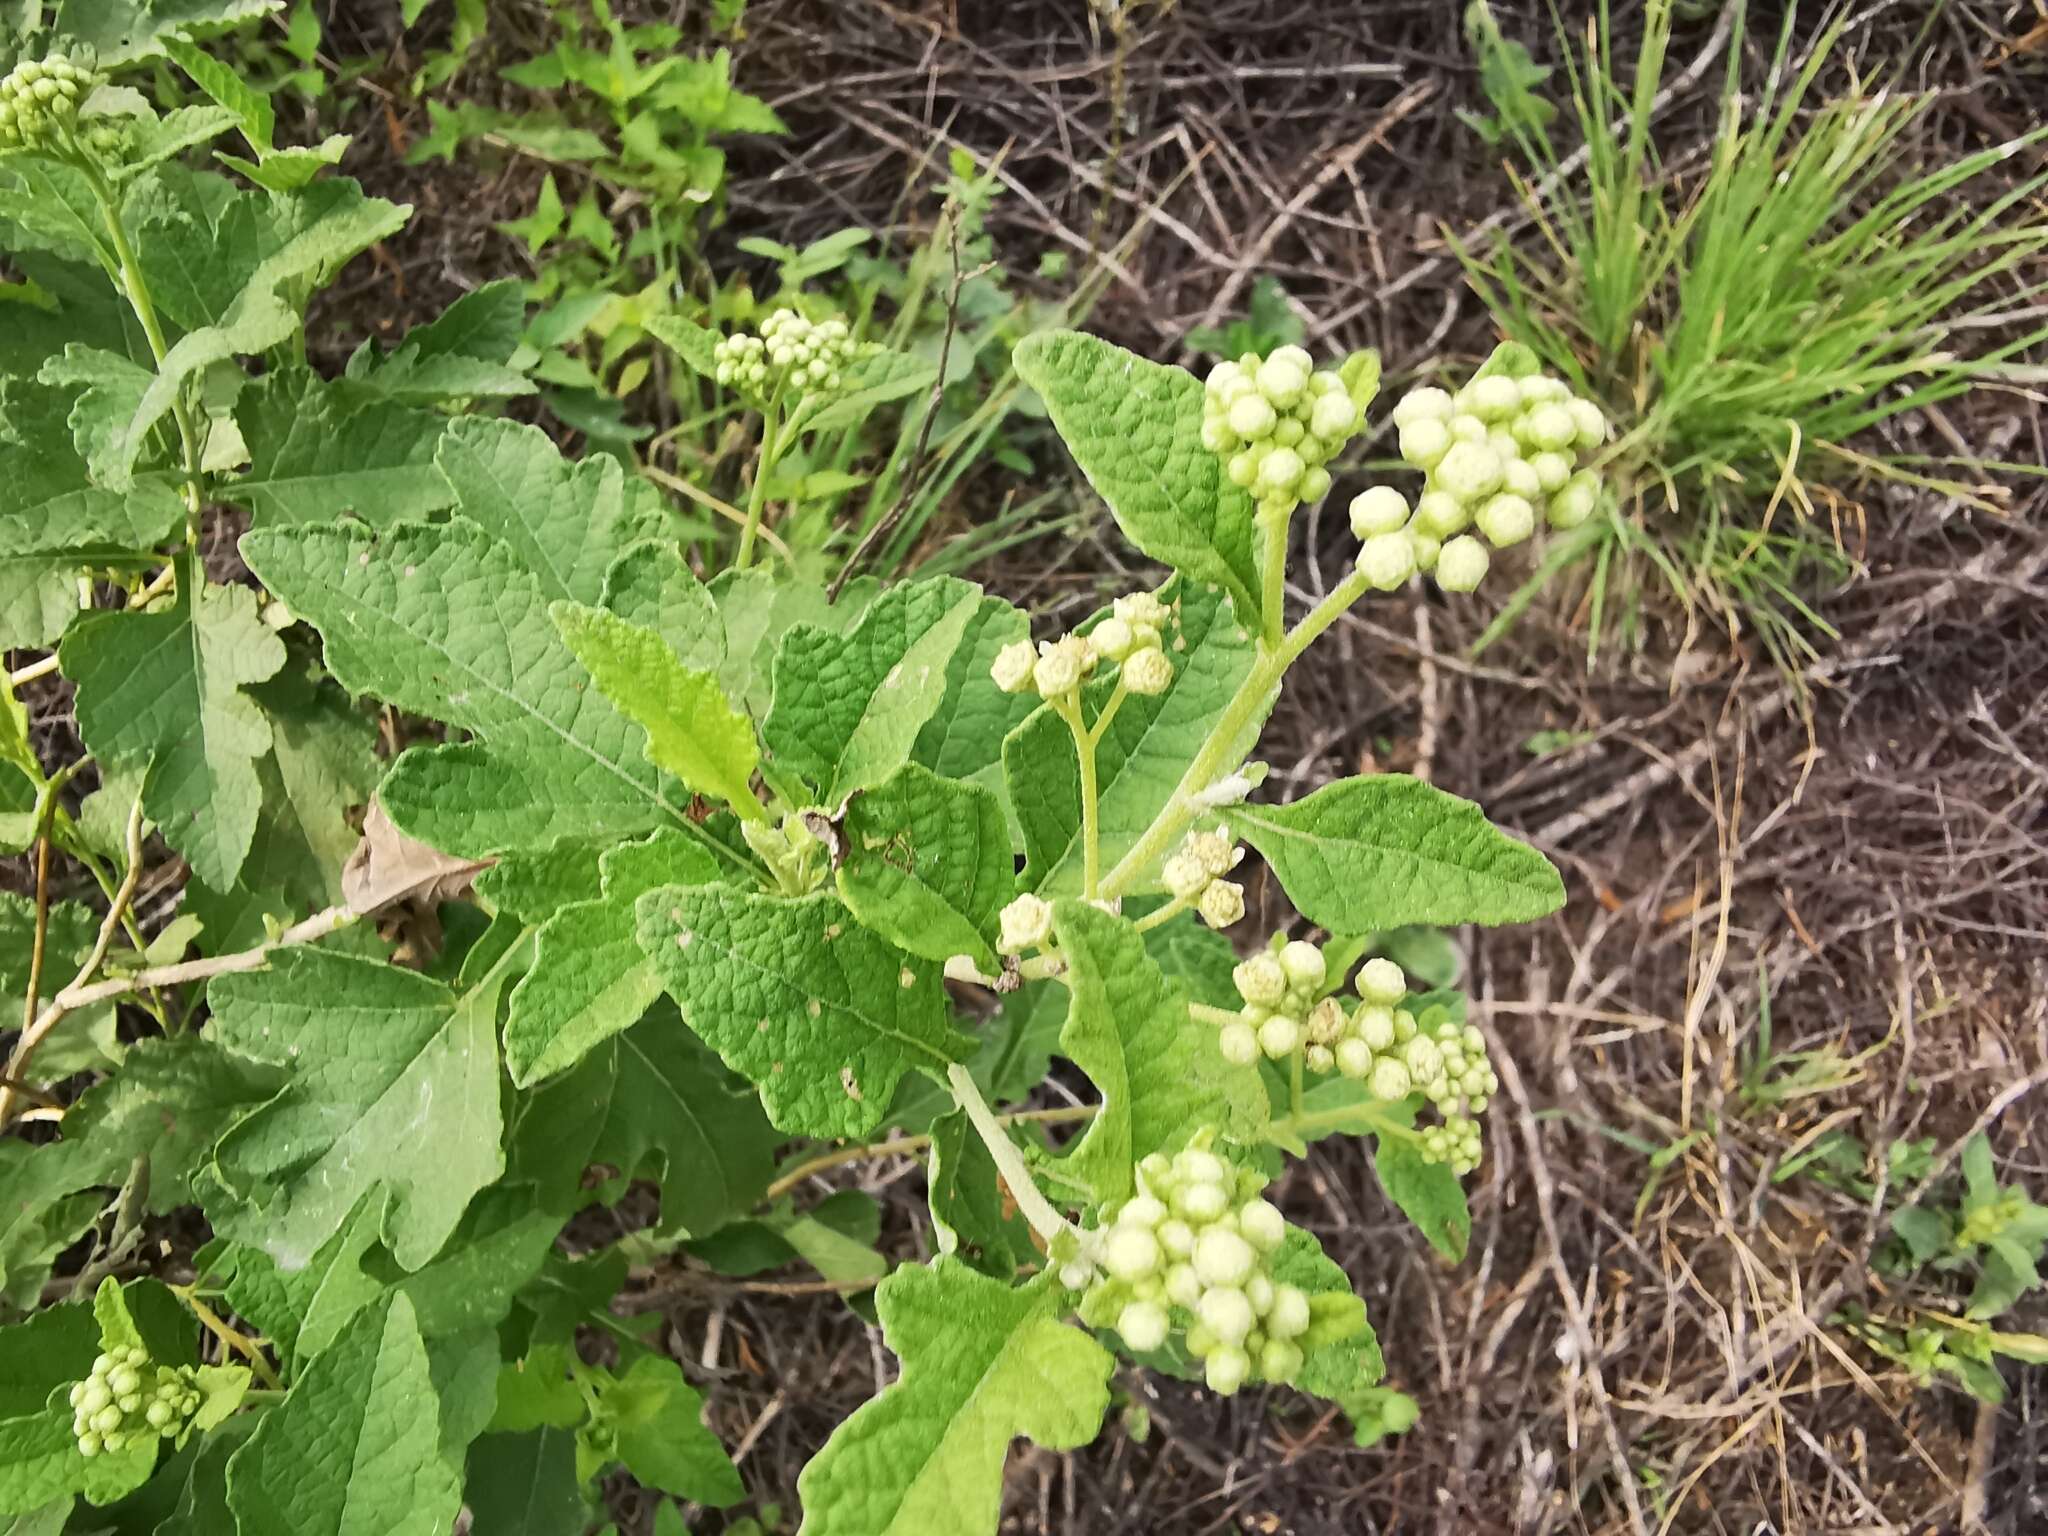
point(1185, 877)
point(1374, 1024)
point(1148, 673)
point(1589, 425)
point(1519, 478)
point(1226, 1370)
point(1426, 550)
point(1506, 519)
point(1390, 1080)
point(1261, 980)
point(1252, 416)
point(1200, 1203)
point(1440, 514)
point(1262, 1225)
point(1131, 1253)
point(1467, 428)
point(1494, 398)
point(1026, 923)
point(1290, 1316)
point(1303, 964)
point(1378, 509)
point(1143, 1326)
point(1576, 502)
point(1461, 564)
point(1112, 638)
point(1223, 1258)
point(1424, 442)
point(1221, 904)
point(1225, 1312)
point(1055, 672)
point(1014, 666)
point(1280, 1361)
point(1469, 471)
point(1334, 417)
point(1354, 1058)
point(1238, 1043)
point(1177, 1238)
point(1422, 405)
point(1278, 1036)
point(1386, 560)
point(1552, 470)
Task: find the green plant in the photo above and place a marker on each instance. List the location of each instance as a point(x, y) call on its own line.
point(657, 876)
point(1750, 323)
point(1509, 77)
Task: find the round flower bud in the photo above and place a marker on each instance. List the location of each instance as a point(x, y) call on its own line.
point(1374, 1024)
point(1183, 1286)
point(1589, 425)
point(1217, 436)
point(1251, 416)
point(1222, 903)
point(1239, 1044)
point(1259, 1292)
point(1289, 432)
point(1131, 1253)
point(1550, 428)
point(1148, 672)
point(1467, 428)
point(1184, 876)
point(1143, 1325)
point(1262, 1225)
point(1378, 509)
point(1141, 1211)
point(1282, 469)
point(1243, 468)
point(1111, 638)
point(1177, 1237)
point(1326, 1023)
point(1279, 1035)
point(1280, 1360)
point(1461, 564)
point(1226, 1370)
point(1056, 672)
point(1518, 478)
point(1225, 1313)
point(1303, 964)
point(1552, 470)
point(1201, 1202)
point(1354, 1059)
point(1203, 1167)
point(1404, 1026)
point(1282, 378)
point(1381, 981)
point(1026, 924)
point(1215, 849)
point(1142, 608)
point(1422, 405)
point(1386, 560)
point(1469, 471)
point(1506, 519)
point(1390, 1080)
point(1494, 398)
point(1261, 979)
point(1424, 442)
point(1440, 514)
point(1318, 1059)
point(1424, 1062)
point(1013, 666)
point(1224, 1258)
point(1333, 417)
point(1426, 550)
point(1289, 1317)
point(1576, 502)
point(1076, 1277)
point(1315, 485)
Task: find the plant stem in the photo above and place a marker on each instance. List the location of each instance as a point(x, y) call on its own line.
point(1068, 707)
point(1274, 597)
point(908, 1146)
point(230, 1337)
point(1222, 752)
point(1047, 1222)
point(757, 497)
point(1294, 1064)
point(1159, 915)
point(1217, 1016)
point(145, 312)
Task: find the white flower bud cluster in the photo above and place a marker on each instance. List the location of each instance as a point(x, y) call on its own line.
point(1496, 454)
point(1133, 637)
point(1281, 989)
point(1378, 1043)
point(1277, 422)
point(791, 356)
point(126, 1399)
point(1198, 1238)
point(1026, 923)
point(39, 101)
point(1195, 874)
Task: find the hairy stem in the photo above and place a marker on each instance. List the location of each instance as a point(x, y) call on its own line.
point(757, 497)
point(908, 1146)
point(139, 300)
point(1047, 1222)
point(231, 1338)
point(1273, 599)
point(1068, 708)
